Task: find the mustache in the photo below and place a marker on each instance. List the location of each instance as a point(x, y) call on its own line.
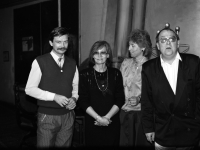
point(62, 48)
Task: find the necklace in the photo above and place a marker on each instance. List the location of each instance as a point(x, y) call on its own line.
point(136, 67)
point(102, 85)
point(138, 62)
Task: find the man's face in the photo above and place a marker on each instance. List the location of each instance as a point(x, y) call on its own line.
point(60, 44)
point(168, 44)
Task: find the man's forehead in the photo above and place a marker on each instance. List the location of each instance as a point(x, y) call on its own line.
point(61, 37)
point(166, 33)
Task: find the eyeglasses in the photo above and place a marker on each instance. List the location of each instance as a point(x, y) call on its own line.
point(170, 39)
point(101, 54)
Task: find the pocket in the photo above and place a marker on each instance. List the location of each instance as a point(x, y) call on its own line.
point(159, 121)
point(73, 114)
point(41, 117)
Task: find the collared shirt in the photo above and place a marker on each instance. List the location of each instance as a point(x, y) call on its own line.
point(55, 57)
point(171, 71)
point(131, 73)
point(35, 77)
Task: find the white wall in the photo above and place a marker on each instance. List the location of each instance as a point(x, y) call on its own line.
point(92, 24)
point(182, 13)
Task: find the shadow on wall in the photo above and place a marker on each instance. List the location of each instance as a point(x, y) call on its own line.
point(84, 64)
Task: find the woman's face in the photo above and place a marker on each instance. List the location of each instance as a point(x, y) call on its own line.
point(100, 56)
point(135, 50)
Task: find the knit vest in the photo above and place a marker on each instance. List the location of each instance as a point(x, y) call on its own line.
point(55, 81)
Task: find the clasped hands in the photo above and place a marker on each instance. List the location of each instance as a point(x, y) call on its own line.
point(134, 100)
point(69, 103)
point(102, 121)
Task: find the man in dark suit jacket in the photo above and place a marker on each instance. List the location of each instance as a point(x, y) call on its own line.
point(170, 100)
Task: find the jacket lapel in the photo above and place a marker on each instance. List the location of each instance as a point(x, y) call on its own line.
point(166, 91)
point(163, 79)
point(183, 70)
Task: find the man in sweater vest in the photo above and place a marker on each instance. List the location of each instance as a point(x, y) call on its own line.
point(53, 81)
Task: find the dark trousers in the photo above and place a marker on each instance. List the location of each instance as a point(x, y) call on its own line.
point(131, 132)
point(55, 131)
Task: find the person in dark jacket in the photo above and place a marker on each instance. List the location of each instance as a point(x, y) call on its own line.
point(170, 98)
point(53, 81)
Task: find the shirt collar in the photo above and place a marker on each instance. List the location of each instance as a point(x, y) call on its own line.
point(178, 57)
point(55, 57)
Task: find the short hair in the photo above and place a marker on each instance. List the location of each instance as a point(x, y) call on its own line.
point(95, 47)
point(59, 31)
point(167, 28)
point(142, 38)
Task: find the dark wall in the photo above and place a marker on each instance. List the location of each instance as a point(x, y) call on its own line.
point(70, 19)
point(26, 25)
point(49, 20)
point(32, 25)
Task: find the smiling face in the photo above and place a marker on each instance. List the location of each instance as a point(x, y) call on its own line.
point(135, 49)
point(168, 45)
point(100, 56)
point(59, 44)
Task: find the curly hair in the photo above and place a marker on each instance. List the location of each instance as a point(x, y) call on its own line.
point(142, 38)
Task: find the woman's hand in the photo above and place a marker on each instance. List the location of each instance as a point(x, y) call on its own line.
point(102, 121)
point(133, 101)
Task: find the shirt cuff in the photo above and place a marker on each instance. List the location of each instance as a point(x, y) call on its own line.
point(50, 96)
point(74, 99)
point(75, 96)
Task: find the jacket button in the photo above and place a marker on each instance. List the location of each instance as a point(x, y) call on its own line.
point(185, 114)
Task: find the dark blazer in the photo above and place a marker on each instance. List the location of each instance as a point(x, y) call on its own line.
point(175, 119)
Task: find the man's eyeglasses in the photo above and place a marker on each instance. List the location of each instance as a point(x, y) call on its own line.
point(101, 53)
point(170, 39)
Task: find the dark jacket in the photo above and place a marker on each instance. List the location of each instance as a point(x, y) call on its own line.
point(175, 119)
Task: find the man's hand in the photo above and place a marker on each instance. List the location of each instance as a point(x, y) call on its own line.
point(61, 100)
point(150, 136)
point(72, 103)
